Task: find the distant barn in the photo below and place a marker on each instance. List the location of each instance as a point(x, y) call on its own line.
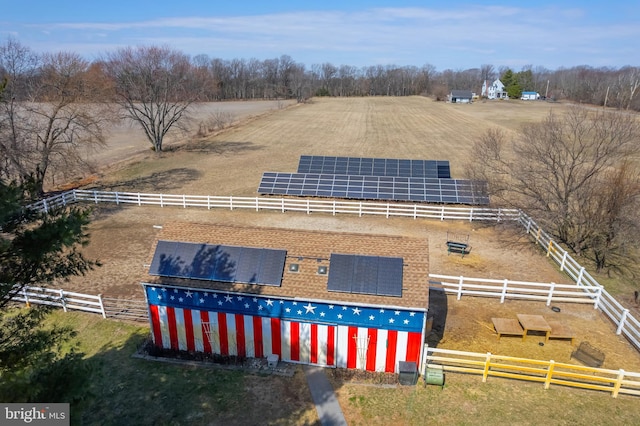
point(460, 96)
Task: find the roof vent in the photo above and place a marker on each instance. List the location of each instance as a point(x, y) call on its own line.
point(322, 270)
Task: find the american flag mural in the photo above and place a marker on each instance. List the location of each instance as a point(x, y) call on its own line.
point(305, 331)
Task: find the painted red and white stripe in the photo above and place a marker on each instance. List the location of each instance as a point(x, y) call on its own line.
point(256, 337)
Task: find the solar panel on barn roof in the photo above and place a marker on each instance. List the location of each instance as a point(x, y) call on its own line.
point(211, 262)
point(374, 275)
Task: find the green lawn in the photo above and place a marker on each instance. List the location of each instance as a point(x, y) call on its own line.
point(123, 390)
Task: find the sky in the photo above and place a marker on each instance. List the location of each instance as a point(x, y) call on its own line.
point(446, 34)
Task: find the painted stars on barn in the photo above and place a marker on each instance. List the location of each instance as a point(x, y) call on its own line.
point(289, 309)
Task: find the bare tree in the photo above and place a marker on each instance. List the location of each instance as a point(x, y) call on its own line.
point(51, 120)
point(155, 87)
point(570, 173)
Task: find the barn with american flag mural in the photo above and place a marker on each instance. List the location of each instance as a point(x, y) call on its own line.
point(345, 300)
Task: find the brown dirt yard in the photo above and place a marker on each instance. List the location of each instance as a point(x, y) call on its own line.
point(232, 161)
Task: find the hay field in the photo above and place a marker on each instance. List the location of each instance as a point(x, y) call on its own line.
point(232, 162)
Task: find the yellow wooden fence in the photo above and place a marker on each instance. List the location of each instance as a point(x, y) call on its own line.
point(547, 372)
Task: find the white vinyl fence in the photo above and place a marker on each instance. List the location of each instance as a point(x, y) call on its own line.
point(360, 208)
point(594, 293)
point(67, 300)
point(522, 290)
point(625, 323)
point(108, 307)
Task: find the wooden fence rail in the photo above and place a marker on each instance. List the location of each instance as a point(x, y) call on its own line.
point(126, 309)
point(547, 372)
point(523, 290)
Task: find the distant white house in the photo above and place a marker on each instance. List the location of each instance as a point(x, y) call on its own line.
point(530, 96)
point(494, 90)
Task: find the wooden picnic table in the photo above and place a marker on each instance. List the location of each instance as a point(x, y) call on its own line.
point(534, 323)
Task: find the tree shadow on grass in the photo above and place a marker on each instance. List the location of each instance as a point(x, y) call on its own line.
point(129, 390)
point(157, 181)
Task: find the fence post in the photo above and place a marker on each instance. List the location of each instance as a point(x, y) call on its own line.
point(623, 320)
point(117, 199)
point(161, 202)
point(504, 290)
point(485, 371)
point(564, 260)
point(442, 214)
point(184, 201)
point(471, 215)
point(360, 209)
point(529, 226)
point(388, 206)
point(618, 384)
point(208, 202)
point(579, 279)
point(257, 204)
point(415, 211)
point(26, 296)
point(598, 297)
point(62, 301)
point(104, 314)
point(334, 207)
point(460, 287)
point(139, 201)
point(75, 196)
point(95, 197)
point(282, 204)
point(308, 207)
point(549, 247)
point(44, 205)
point(551, 288)
point(547, 380)
point(231, 202)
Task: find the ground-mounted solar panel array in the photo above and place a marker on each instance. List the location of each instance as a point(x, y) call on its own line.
point(456, 191)
point(374, 275)
point(438, 169)
point(375, 179)
point(211, 262)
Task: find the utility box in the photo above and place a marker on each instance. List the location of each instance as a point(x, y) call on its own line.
point(407, 373)
point(434, 375)
point(272, 360)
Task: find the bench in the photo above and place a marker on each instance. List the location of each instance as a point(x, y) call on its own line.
point(507, 326)
point(589, 355)
point(455, 247)
point(561, 331)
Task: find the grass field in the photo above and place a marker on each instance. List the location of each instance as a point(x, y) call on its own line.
point(231, 163)
point(125, 390)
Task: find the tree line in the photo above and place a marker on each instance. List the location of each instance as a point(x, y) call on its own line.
point(283, 77)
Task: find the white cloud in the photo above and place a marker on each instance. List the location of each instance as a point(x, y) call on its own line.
point(462, 37)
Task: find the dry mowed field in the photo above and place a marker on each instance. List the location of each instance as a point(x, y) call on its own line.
point(232, 162)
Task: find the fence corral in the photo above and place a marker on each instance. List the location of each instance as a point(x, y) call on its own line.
point(626, 324)
point(547, 372)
